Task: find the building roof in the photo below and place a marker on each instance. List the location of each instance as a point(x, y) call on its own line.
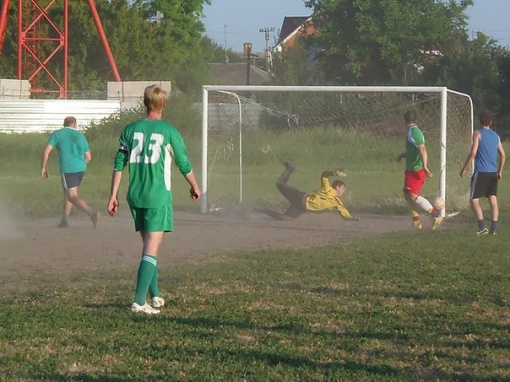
point(290, 24)
point(235, 74)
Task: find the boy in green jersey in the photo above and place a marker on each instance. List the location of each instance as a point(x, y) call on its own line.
point(74, 155)
point(416, 171)
point(148, 147)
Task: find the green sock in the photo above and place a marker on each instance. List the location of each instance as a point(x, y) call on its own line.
point(153, 287)
point(146, 270)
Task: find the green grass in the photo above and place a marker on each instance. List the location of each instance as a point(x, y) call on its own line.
point(430, 306)
point(374, 182)
point(398, 308)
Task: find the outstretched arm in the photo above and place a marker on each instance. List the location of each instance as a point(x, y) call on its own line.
point(339, 172)
point(345, 213)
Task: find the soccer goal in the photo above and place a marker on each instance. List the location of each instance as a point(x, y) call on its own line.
point(248, 131)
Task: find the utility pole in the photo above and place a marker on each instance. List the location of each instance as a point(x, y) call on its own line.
point(268, 50)
point(225, 43)
point(247, 52)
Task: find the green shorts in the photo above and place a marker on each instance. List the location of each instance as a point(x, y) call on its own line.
point(159, 219)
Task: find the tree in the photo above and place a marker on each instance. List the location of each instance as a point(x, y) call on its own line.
point(295, 66)
point(382, 41)
point(146, 44)
point(217, 54)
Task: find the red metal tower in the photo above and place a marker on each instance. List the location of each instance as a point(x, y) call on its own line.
point(35, 30)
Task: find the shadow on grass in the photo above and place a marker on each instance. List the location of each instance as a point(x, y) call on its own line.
point(102, 306)
point(82, 377)
point(359, 292)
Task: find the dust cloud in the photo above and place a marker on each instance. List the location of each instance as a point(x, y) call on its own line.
point(8, 228)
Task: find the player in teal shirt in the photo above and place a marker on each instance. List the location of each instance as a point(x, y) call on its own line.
point(148, 147)
point(74, 154)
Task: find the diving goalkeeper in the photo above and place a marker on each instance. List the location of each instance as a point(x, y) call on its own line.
point(325, 197)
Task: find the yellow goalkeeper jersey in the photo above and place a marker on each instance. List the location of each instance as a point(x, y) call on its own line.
point(325, 198)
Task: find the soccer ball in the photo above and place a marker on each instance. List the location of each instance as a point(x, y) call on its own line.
point(438, 203)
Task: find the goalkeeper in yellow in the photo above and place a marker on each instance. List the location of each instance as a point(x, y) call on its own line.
point(327, 196)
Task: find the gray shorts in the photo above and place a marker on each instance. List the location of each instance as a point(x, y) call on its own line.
point(71, 179)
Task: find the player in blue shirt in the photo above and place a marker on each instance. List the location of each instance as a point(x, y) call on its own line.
point(487, 172)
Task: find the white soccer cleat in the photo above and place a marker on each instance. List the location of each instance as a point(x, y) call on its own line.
point(158, 302)
point(145, 308)
point(482, 232)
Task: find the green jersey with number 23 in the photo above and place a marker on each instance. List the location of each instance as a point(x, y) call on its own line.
point(149, 147)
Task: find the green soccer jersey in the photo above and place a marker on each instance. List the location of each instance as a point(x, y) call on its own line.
point(71, 146)
point(149, 147)
point(414, 139)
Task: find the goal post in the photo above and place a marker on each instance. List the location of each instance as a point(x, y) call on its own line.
point(247, 131)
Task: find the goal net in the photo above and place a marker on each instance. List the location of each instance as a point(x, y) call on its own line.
point(249, 131)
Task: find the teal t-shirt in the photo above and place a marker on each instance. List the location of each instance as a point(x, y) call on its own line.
point(414, 139)
point(149, 147)
point(71, 146)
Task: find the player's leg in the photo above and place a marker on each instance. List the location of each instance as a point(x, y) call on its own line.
point(294, 211)
point(72, 181)
point(411, 205)
point(78, 201)
point(412, 186)
point(66, 207)
point(493, 202)
point(492, 196)
point(148, 268)
point(274, 214)
point(155, 222)
point(414, 181)
point(478, 212)
point(478, 188)
point(284, 177)
point(152, 244)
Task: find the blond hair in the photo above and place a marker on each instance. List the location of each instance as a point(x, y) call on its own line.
point(154, 98)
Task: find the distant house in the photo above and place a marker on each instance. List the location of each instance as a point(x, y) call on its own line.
point(236, 74)
point(292, 28)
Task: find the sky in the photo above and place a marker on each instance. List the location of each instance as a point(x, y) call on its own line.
point(234, 22)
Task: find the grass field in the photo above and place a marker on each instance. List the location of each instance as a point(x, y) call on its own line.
point(430, 306)
point(404, 307)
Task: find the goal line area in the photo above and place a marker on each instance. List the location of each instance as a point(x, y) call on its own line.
point(249, 131)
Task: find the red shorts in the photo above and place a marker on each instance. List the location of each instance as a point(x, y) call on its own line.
point(414, 181)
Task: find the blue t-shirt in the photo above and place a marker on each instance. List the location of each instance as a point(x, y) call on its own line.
point(71, 147)
point(486, 159)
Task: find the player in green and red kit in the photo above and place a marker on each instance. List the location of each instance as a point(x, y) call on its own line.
point(416, 172)
point(148, 147)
